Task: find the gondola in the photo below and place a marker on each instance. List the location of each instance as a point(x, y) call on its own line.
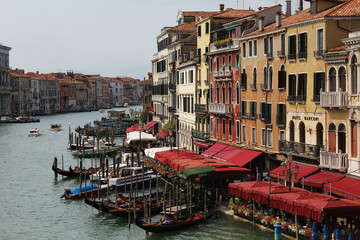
point(123, 209)
point(74, 172)
point(85, 191)
point(174, 225)
point(90, 154)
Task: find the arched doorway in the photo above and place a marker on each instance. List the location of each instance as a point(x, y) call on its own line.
point(302, 137)
point(319, 134)
point(292, 131)
point(342, 138)
point(332, 137)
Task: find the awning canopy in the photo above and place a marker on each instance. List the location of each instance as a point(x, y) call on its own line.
point(346, 187)
point(320, 178)
point(136, 136)
point(196, 172)
point(162, 134)
point(214, 149)
point(237, 156)
point(304, 171)
point(200, 144)
point(150, 124)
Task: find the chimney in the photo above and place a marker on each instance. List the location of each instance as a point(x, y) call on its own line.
point(261, 23)
point(301, 5)
point(278, 19)
point(222, 6)
point(288, 8)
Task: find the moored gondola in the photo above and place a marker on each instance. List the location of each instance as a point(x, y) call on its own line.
point(74, 172)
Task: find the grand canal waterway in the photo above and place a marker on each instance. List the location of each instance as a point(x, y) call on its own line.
point(30, 204)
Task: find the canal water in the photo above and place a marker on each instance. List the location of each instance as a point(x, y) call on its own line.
point(30, 204)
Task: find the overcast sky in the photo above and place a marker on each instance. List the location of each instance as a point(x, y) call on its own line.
point(107, 37)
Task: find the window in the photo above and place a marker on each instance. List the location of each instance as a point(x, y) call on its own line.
point(199, 76)
point(263, 137)
point(229, 61)
point(292, 87)
point(281, 114)
point(243, 109)
point(223, 93)
point(243, 133)
point(255, 47)
point(269, 136)
point(250, 48)
point(217, 59)
point(301, 93)
point(282, 78)
point(342, 79)
point(271, 46)
point(266, 45)
point(313, 8)
point(224, 128)
point(292, 47)
point(199, 53)
point(211, 126)
point(265, 78)
point(244, 49)
point(191, 76)
point(211, 64)
point(243, 83)
point(211, 93)
point(230, 93)
point(237, 93)
point(223, 63)
point(230, 129)
point(254, 78)
point(238, 131)
point(302, 45)
point(353, 75)
point(237, 61)
point(319, 83)
point(199, 31)
point(281, 135)
point(217, 93)
point(253, 135)
point(270, 78)
point(253, 109)
point(265, 112)
point(182, 78)
point(282, 44)
point(207, 27)
point(320, 42)
point(218, 128)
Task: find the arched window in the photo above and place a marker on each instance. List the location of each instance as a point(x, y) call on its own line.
point(292, 131)
point(223, 93)
point(342, 138)
point(211, 93)
point(217, 93)
point(342, 79)
point(319, 134)
point(332, 137)
point(230, 92)
point(265, 78)
point(254, 77)
point(237, 93)
point(270, 77)
point(302, 132)
point(332, 79)
point(354, 80)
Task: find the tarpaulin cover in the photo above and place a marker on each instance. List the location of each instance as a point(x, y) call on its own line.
point(214, 149)
point(318, 179)
point(304, 171)
point(162, 134)
point(196, 172)
point(150, 124)
point(346, 187)
point(137, 136)
point(133, 128)
point(83, 189)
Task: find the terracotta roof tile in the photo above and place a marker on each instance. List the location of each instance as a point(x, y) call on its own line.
point(184, 26)
point(339, 48)
point(197, 14)
point(234, 13)
point(349, 8)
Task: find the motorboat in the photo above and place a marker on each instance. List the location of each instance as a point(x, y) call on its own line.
point(55, 127)
point(34, 132)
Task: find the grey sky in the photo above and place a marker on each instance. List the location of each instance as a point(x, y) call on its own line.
point(107, 37)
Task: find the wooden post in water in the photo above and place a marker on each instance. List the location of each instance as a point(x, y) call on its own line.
point(116, 202)
point(216, 199)
point(164, 202)
point(157, 189)
point(132, 159)
point(107, 191)
point(296, 226)
point(55, 164)
point(129, 214)
point(179, 183)
point(205, 202)
point(80, 178)
point(253, 214)
point(150, 201)
point(107, 168)
point(190, 199)
point(143, 180)
point(62, 161)
point(92, 182)
point(187, 197)
point(85, 184)
point(99, 182)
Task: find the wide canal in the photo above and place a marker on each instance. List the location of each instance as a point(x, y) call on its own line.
point(31, 207)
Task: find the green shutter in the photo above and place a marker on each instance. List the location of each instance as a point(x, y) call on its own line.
point(322, 75)
point(251, 109)
point(305, 85)
point(254, 109)
point(315, 88)
point(244, 108)
point(241, 106)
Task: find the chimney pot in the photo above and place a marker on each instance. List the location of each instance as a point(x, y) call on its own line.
point(288, 8)
point(222, 7)
point(261, 24)
point(278, 19)
point(301, 5)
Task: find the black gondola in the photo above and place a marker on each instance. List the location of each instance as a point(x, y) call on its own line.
point(74, 172)
point(168, 226)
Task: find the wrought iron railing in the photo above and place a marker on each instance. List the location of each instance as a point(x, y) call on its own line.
point(303, 149)
point(200, 135)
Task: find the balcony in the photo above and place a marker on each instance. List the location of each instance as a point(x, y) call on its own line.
point(201, 108)
point(334, 99)
point(200, 135)
point(292, 57)
point(227, 73)
point(300, 149)
point(223, 75)
point(301, 98)
point(172, 109)
point(159, 98)
point(270, 56)
point(242, 86)
point(220, 108)
point(302, 55)
point(337, 161)
point(291, 98)
point(281, 53)
point(223, 45)
point(172, 87)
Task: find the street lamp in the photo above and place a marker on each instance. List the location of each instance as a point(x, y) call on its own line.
point(291, 171)
point(171, 139)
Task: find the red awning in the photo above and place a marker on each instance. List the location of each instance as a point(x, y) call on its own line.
point(243, 157)
point(230, 172)
point(346, 187)
point(304, 171)
point(214, 149)
point(200, 144)
point(150, 124)
point(162, 134)
point(320, 178)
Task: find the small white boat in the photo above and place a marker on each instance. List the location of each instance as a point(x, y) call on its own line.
point(101, 110)
point(34, 132)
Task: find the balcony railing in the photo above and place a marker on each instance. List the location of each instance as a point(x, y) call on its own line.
point(298, 148)
point(281, 53)
point(334, 99)
point(220, 108)
point(159, 98)
point(200, 135)
point(300, 98)
point(302, 55)
point(172, 87)
point(292, 56)
point(172, 109)
point(270, 55)
point(337, 161)
point(227, 73)
point(291, 98)
point(201, 108)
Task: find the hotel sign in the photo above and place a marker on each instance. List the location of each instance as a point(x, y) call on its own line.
point(306, 118)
